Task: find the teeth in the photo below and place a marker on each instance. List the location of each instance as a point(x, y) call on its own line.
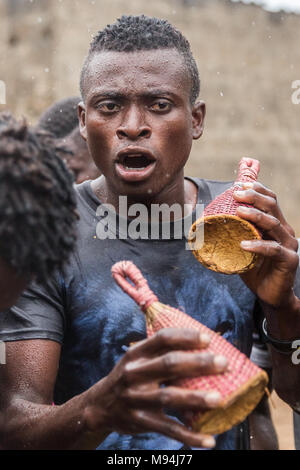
point(130, 168)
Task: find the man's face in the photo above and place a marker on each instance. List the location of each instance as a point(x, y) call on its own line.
point(11, 285)
point(138, 120)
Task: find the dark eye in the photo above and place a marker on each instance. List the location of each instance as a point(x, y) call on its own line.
point(161, 105)
point(108, 107)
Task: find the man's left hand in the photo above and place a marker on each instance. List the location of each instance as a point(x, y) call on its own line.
point(272, 279)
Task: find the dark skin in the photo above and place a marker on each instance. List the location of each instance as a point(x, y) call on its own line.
point(147, 106)
point(30, 422)
point(80, 162)
point(273, 280)
point(133, 384)
point(132, 100)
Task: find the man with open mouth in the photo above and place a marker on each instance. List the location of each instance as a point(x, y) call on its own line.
point(139, 115)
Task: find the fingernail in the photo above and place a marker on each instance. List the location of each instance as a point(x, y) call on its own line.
point(208, 442)
point(248, 185)
point(220, 362)
point(204, 339)
point(244, 209)
point(239, 193)
point(246, 244)
point(213, 398)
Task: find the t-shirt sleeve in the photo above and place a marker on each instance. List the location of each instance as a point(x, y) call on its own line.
point(38, 314)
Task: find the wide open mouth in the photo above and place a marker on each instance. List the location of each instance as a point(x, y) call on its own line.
point(135, 161)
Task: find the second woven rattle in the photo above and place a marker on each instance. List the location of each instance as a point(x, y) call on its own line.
point(219, 249)
point(241, 386)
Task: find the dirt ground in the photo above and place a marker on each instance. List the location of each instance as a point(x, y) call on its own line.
point(283, 420)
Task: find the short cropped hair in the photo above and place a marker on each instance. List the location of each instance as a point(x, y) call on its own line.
point(61, 118)
point(139, 33)
point(37, 201)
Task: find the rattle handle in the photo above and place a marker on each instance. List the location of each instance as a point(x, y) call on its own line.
point(140, 291)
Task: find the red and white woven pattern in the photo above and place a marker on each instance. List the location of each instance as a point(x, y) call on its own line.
point(240, 368)
point(225, 203)
point(158, 316)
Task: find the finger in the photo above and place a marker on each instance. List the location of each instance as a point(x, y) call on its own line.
point(260, 188)
point(173, 365)
point(158, 422)
point(173, 397)
point(261, 201)
point(289, 229)
point(169, 338)
point(272, 249)
point(270, 225)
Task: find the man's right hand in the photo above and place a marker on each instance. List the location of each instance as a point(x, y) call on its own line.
point(130, 400)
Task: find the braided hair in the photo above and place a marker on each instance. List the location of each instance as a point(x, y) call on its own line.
point(37, 201)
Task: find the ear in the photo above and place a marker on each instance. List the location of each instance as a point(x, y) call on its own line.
point(81, 116)
point(198, 115)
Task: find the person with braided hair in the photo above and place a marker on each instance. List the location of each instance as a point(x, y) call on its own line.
point(37, 208)
point(61, 120)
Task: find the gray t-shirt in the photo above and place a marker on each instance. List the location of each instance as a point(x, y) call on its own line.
point(90, 316)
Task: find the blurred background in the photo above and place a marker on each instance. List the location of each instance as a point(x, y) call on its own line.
point(248, 58)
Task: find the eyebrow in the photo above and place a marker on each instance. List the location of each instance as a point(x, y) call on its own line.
point(146, 94)
point(108, 94)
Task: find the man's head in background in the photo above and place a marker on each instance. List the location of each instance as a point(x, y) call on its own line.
point(61, 120)
point(37, 208)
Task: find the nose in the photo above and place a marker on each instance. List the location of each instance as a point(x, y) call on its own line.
point(133, 125)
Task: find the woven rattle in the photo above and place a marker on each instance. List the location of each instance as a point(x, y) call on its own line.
point(241, 386)
point(224, 230)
